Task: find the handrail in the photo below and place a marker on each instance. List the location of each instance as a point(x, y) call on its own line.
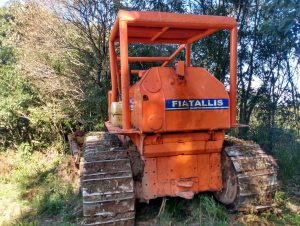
point(181, 47)
point(145, 59)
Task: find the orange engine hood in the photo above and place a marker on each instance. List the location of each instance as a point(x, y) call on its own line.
point(161, 102)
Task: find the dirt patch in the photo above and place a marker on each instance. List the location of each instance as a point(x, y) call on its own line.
point(5, 165)
point(68, 170)
point(30, 194)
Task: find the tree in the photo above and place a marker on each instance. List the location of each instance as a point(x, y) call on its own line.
point(72, 51)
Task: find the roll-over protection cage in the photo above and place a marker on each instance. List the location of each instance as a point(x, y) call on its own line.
point(163, 28)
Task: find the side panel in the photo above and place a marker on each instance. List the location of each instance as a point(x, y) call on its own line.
point(182, 144)
point(181, 175)
point(180, 164)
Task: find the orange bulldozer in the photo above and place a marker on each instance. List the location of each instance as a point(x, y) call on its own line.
point(166, 132)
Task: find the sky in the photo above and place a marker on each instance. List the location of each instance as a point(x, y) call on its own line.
point(2, 2)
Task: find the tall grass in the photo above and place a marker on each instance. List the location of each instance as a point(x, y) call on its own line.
point(202, 210)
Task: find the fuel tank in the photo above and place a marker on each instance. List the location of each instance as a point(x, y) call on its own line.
point(162, 101)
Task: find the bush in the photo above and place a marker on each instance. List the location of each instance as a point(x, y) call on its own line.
point(283, 144)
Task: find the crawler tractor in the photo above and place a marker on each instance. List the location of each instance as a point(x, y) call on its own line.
point(166, 131)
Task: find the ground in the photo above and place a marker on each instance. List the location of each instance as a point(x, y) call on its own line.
point(43, 189)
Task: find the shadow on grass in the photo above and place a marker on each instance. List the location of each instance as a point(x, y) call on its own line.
point(202, 210)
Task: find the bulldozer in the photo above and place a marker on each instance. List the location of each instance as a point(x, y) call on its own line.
point(166, 129)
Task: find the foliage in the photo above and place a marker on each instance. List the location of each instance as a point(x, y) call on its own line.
point(16, 99)
point(43, 95)
point(26, 119)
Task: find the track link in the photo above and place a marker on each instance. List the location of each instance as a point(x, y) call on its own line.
point(249, 176)
point(107, 184)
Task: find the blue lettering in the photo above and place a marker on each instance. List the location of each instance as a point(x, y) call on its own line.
point(197, 104)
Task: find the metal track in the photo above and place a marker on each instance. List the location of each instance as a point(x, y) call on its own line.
point(249, 176)
point(107, 184)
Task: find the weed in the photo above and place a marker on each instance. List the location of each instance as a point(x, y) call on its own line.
point(280, 198)
point(166, 218)
point(25, 149)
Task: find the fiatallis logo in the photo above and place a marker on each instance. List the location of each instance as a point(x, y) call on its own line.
point(196, 104)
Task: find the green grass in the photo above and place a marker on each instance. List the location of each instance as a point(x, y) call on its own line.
point(40, 189)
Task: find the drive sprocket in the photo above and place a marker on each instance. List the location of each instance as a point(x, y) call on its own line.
point(249, 176)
